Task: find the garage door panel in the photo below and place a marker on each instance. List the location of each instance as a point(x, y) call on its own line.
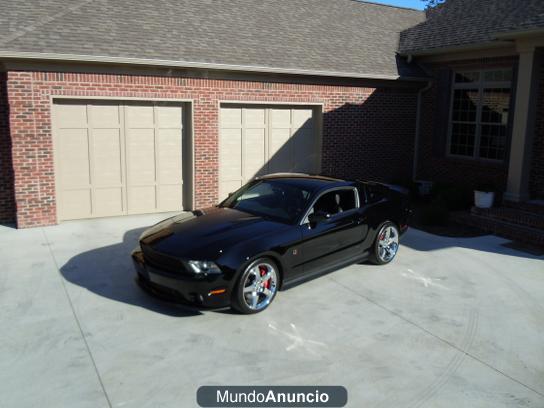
point(169, 197)
point(169, 116)
point(302, 118)
point(255, 118)
point(304, 151)
point(231, 154)
point(74, 148)
point(169, 156)
point(107, 157)
point(71, 116)
point(140, 116)
point(231, 118)
point(105, 116)
point(141, 199)
point(255, 152)
point(108, 201)
point(280, 118)
point(280, 156)
point(226, 187)
point(76, 203)
point(141, 156)
point(279, 140)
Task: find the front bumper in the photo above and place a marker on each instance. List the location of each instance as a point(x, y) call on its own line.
point(208, 291)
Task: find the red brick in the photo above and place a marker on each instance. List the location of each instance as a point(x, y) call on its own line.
point(367, 132)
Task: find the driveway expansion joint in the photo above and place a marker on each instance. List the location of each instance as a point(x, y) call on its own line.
point(76, 318)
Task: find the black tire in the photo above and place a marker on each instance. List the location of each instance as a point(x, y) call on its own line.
point(377, 257)
point(240, 299)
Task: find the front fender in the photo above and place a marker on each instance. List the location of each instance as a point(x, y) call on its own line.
point(277, 246)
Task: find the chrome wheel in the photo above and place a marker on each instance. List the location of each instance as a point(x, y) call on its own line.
point(388, 243)
point(260, 285)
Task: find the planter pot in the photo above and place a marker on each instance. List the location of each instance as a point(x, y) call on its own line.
point(483, 199)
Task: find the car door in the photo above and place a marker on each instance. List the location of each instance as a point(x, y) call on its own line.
point(338, 238)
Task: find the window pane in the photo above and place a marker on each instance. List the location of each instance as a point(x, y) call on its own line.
point(500, 75)
point(495, 105)
point(493, 142)
point(467, 77)
point(462, 139)
point(465, 102)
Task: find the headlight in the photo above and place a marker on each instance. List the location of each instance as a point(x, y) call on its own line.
point(205, 267)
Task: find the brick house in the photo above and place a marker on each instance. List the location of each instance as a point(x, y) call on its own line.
point(128, 107)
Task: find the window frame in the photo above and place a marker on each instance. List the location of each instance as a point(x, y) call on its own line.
point(481, 85)
point(306, 221)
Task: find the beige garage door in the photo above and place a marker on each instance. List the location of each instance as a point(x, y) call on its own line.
point(262, 140)
point(116, 159)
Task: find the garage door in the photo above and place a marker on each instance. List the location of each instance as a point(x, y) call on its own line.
point(116, 159)
point(263, 140)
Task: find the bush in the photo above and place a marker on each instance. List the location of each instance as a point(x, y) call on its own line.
point(453, 197)
point(435, 213)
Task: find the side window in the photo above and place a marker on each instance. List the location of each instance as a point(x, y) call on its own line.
point(336, 202)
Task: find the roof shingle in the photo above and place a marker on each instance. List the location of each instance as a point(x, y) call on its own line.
point(459, 23)
point(340, 36)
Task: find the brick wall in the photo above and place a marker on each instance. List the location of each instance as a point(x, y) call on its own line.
point(368, 132)
point(7, 203)
point(536, 181)
point(434, 164)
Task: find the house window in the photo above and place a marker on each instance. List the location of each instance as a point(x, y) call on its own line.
point(479, 114)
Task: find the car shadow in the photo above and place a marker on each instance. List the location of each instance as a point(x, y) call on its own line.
point(426, 242)
point(108, 272)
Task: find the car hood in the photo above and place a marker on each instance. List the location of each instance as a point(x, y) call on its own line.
point(206, 234)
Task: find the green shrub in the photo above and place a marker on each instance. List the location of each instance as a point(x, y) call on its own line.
point(454, 197)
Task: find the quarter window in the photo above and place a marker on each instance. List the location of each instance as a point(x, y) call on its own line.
point(479, 114)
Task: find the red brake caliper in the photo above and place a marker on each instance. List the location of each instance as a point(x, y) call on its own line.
point(262, 270)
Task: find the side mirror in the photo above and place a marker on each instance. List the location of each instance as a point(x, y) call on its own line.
point(318, 217)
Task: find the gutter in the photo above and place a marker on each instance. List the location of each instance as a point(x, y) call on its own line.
point(198, 65)
point(418, 127)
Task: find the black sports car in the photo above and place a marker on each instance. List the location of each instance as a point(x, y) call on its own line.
point(275, 231)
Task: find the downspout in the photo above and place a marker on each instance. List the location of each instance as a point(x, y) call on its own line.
point(418, 127)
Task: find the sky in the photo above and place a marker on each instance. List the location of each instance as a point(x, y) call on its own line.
point(417, 4)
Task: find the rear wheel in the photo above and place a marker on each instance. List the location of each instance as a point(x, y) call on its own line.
point(386, 244)
point(257, 287)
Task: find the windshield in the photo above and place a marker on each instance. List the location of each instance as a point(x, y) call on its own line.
point(273, 199)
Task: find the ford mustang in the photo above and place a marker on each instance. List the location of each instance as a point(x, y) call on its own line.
point(274, 232)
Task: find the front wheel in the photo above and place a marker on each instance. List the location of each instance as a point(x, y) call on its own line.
point(386, 244)
point(257, 287)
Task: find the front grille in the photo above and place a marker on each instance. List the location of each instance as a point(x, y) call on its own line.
point(161, 261)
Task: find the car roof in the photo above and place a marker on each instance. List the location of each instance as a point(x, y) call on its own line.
point(307, 181)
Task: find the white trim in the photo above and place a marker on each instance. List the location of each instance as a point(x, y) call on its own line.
point(120, 98)
point(253, 102)
point(199, 65)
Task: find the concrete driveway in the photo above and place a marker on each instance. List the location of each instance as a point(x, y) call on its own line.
point(451, 323)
